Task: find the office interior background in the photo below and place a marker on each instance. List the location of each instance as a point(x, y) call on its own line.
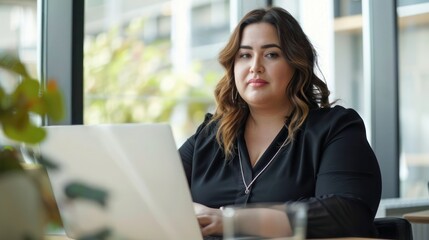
point(129, 61)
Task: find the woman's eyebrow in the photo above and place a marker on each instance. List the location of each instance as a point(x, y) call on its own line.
point(271, 45)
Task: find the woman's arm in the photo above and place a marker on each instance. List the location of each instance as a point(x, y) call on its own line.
point(263, 222)
point(267, 222)
point(186, 151)
point(348, 180)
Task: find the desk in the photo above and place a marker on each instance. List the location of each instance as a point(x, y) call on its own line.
point(57, 237)
point(418, 217)
point(62, 237)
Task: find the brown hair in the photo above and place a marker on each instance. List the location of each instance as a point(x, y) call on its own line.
point(305, 90)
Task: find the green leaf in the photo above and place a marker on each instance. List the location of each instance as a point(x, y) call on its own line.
point(47, 162)
point(13, 64)
point(29, 88)
point(75, 190)
point(28, 134)
point(99, 235)
point(29, 97)
point(2, 94)
point(15, 117)
point(53, 102)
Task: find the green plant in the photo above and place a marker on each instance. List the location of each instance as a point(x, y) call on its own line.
point(20, 107)
point(29, 97)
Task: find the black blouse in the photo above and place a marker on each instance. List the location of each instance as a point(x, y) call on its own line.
point(330, 166)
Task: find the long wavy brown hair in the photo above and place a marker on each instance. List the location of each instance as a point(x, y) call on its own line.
point(305, 90)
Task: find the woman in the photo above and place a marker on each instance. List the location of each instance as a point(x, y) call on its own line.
point(275, 137)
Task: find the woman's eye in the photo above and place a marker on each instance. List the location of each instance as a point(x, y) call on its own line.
point(244, 55)
point(272, 55)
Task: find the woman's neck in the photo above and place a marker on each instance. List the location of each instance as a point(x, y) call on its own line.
point(260, 131)
point(265, 118)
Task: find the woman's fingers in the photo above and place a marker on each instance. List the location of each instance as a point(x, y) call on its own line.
point(210, 224)
point(204, 220)
point(209, 219)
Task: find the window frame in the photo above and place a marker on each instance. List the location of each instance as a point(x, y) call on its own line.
point(62, 28)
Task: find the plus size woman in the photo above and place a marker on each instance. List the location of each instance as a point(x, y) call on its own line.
point(275, 138)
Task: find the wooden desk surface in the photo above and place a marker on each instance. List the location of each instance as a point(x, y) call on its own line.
point(418, 217)
point(62, 237)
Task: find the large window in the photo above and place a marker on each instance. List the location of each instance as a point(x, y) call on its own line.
point(19, 33)
point(152, 61)
point(155, 61)
point(336, 34)
point(350, 85)
point(359, 67)
point(413, 33)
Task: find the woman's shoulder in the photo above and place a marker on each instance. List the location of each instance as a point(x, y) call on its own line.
point(332, 117)
point(331, 114)
point(325, 124)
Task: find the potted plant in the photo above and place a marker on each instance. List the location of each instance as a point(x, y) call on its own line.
point(24, 208)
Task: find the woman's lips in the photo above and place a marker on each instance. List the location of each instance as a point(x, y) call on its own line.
point(257, 82)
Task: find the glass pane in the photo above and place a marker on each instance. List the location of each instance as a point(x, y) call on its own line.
point(336, 35)
point(349, 82)
point(152, 61)
point(350, 88)
point(18, 27)
point(343, 8)
point(413, 34)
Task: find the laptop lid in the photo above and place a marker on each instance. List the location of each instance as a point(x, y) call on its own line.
point(139, 167)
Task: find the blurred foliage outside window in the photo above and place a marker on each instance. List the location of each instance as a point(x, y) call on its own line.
point(129, 81)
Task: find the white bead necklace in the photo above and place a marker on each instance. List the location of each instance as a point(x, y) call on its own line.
point(247, 187)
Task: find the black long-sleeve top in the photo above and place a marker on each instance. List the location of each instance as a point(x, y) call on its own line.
point(330, 166)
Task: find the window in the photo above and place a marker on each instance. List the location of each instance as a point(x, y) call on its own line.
point(152, 61)
point(152, 64)
point(337, 37)
point(18, 26)
point(413, 34)
point(358, 63)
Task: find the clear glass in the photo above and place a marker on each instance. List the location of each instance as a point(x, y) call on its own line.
point(253, 221)
point(413, 39)
point(337, 36)
point(350, 87)
point(152, 61)
point(19, 32)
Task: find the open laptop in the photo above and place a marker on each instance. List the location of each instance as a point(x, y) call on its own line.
point(139, 167)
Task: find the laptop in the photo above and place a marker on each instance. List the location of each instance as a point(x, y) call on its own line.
point(137, 166)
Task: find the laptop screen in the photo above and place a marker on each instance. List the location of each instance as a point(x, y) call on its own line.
point(137, 167)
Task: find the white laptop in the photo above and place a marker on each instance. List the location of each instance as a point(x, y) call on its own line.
point(139, 167)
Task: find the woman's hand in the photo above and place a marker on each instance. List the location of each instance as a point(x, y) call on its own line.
point(268, 222)
point(210, 219)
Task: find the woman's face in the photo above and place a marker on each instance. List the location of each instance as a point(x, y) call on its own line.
point(261, 71)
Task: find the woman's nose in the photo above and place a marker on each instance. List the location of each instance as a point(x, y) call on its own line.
point(257, 67)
